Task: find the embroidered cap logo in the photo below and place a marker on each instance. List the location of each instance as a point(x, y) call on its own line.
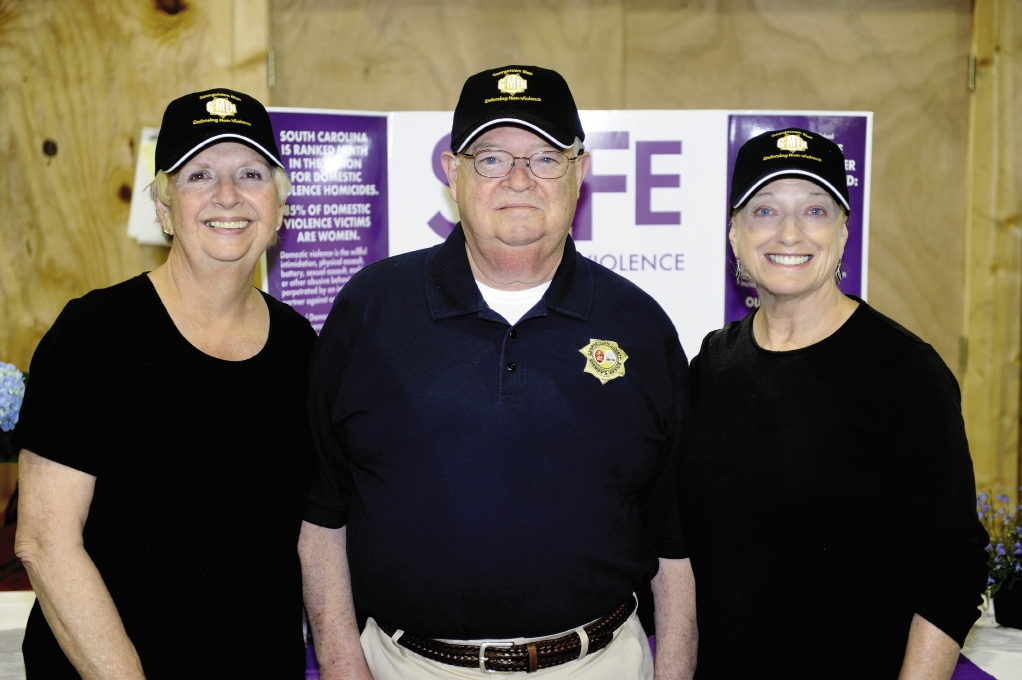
point(792, 143)
point(512, 84)
point(219, 106)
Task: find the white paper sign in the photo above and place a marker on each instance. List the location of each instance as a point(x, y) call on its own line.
point(142, 224)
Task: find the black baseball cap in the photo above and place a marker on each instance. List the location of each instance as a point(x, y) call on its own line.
point(197, 120)
point(791, 152)
point(530, 97)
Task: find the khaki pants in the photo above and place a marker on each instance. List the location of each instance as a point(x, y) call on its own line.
point(627, 657)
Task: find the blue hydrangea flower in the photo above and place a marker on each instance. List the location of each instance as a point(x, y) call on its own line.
point(1001, 550)
point(12, 391)
point(1001, 497)
point(983, 496)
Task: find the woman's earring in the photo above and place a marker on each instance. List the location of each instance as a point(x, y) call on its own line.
point(839, 271)
point(739, 272)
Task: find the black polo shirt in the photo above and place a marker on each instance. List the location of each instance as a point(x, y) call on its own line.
point(490, 486)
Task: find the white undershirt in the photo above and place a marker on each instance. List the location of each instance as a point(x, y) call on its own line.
point(512, 304)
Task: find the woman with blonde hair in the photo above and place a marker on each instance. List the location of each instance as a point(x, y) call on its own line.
point(165, 451)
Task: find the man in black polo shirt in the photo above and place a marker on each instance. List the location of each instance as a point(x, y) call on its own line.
point(497, 421)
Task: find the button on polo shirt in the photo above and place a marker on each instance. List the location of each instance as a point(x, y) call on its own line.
point(486, 502)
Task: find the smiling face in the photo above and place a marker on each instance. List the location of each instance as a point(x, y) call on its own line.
point(789, 237)
point(224, 206)
point(514, 225)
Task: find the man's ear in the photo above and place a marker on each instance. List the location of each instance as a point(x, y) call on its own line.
point(582, 165)
point(450, 163)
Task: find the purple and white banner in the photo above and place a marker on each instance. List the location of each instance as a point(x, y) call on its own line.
point(335, 221)
point(654, 207)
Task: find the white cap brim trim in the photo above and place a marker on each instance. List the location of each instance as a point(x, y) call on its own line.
point(779, 173)
point(516, 121)
point(228, 135)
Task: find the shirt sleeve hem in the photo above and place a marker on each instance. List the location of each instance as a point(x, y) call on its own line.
point(671, 549)
point(955, 627)
point(19, 445)
point(324, 516)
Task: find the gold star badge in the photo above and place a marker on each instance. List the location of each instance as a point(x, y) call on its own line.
point(604, 359)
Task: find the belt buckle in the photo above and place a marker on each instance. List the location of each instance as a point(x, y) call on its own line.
point(482, 652)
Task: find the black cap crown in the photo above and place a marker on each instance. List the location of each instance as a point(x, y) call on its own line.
point(197, 120)
point(537, 99)
point(791, 152)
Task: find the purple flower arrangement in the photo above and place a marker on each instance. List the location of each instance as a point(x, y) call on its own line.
point(1003, 522)
point(12, 391)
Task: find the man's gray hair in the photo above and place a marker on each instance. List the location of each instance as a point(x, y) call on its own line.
point(576, 149)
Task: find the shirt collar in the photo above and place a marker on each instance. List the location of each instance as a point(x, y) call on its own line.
point(451, 289)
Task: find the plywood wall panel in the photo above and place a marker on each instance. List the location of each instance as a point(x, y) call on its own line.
point(415, 54)
point(85, 77)
point(993, 271)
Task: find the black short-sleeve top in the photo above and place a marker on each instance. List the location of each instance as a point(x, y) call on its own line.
point(827, 497)
point(201, 468)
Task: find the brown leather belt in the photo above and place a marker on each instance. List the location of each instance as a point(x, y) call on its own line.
point(508, 657)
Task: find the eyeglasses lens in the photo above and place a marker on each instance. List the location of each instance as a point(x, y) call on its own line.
point(544, 164)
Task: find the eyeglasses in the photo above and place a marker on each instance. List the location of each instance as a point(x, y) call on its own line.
point(494, 163)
